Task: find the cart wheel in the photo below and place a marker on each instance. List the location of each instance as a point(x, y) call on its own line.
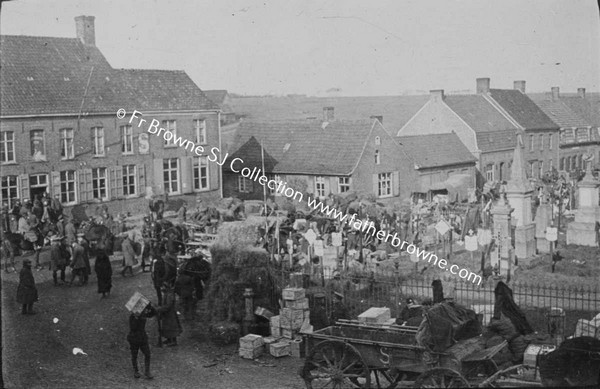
point(441, 377)
point(496, 379)
point(388, 379)
point(335, 364)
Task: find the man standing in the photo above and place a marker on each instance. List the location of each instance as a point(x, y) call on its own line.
point(78, 263)
point(86, 257)
point(70, 232)
point(128, 254)
point(7, 246)
point(170, 325)
point(27, 293)
point(184, 287)
point(57, 261)
point(138, 340)
point(182, 214)
point(56, 206)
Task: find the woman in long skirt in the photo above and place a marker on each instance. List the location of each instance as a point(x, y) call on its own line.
point(103, 270)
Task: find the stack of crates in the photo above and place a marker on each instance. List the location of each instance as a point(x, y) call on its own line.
point(251, 346)
point(295, 312)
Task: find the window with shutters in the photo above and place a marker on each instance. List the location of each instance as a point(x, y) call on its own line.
point(320, 186)
point(171, 175)
point(343, 184)
point(38, 183)
point(67, 187)
point(67, 147)
point(384, 184)
point(99, 185)
point(127, 139)
point(9, 190)
point(200, 126)
point(129, 180)
point(244, 185)
point(170, 126)
point(200, 173)
point(98, 141)
point(7, 146)
point(38, 145)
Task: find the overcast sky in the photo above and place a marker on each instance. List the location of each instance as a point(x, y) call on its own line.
point(346, 47)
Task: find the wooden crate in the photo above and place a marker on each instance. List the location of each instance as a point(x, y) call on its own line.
point(137, 303)
point(274, 321)
point(279, 349)
point(297, 304)
point(289, 334)
point(251, 341)
point(276, 332)
point(293, 294)
point(291, 319)
point(375, 315)
point(251, 353)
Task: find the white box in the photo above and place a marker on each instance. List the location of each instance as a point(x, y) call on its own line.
point(293, 294)
point(375, 315)
point(279, 349)
point(251, 341)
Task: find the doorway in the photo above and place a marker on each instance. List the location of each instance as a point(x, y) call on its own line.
point(38, 185)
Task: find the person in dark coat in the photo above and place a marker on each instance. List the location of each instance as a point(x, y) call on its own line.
point(170, 325)
point(103, 270)
point(86, 257)
point(184, 288)
point(27, 293)
point(138, 340)
point(78, 263)
point(57, 261)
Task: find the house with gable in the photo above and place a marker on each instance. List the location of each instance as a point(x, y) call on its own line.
point(488, 124)
point(59, 132)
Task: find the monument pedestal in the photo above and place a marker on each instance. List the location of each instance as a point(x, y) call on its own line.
point(582, 231)
point(543, 219)
point(525, 242)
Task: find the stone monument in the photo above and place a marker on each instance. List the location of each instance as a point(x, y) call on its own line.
point(501, 255)
point(582, 231)
point(543, 220)
point(519, 192)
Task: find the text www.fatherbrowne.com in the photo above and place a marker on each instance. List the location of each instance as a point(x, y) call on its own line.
point(368, 227)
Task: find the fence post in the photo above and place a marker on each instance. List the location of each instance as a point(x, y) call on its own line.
point(249, 317)
point(397, 288)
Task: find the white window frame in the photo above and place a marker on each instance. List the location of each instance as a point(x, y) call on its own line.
point(127, 139)
point(540, 169)
point(36, 183)
point(343, 184)
point(550, 141)
point(42, 155)
point(200, 165)
point(541, 141)
point(531, 142)
point(67, 143)
point(170, 126)
point(277, 179)
point(384, 185)
point(171, 175)
point(320, 186)
point(200, 127)
point(244, 185)
point(489, 172)
point(100, 183)
point(129, 173)
point(377, 158)
point(65, 196)
point(6, 187)
point(8, 146)
point(532, 169)
point(98, 141)
point(377, 141)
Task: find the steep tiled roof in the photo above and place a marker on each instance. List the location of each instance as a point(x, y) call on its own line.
point(217, 96)
point(587, 108)
point(46, 75)
point(497, 140)
point(522, 109)
point(436, 150)
point(478, 113)
point(333, 150)
point(560, 113)
point(302, 146)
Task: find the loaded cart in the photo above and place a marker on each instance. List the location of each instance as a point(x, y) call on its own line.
point(444, 351)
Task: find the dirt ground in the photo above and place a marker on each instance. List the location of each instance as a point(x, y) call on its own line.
point(37, 353)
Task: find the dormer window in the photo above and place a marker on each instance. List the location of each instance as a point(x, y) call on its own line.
point(377, 141)
point(66, 79)
point(29, 78)
point(377, 157)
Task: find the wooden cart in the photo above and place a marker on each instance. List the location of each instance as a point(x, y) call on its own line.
point(352, 355)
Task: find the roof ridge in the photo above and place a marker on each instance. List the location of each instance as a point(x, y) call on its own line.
point(151, 70)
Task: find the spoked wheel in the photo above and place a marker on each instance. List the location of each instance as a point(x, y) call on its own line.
point(386, 379)
point(441, 377)
point(506, 378)
point(335, 364)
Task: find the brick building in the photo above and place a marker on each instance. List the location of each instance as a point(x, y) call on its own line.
point(59, 132)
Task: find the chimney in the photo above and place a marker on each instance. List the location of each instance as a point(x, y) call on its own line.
point(328, 114)
point(436, 95)
point(378, 117)
point(85, 29)
point(519, 85)
point(483, 85)
point(555, 93)
point(581, 92)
